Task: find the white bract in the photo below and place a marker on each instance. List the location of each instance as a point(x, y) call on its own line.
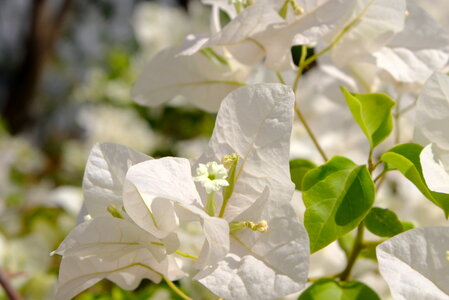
point(415, 265)
point(431, 123)
point(421, 48)
point(371, 24)
point(260, 30)
point(159, 195)
point(259, 265)
point(203, 79)
point(150, 199)
point(106, 246)
point(272, 246)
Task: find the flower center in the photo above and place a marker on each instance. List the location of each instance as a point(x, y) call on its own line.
point(212, 176)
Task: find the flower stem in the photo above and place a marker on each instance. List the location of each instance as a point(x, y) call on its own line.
point(380, 175)
point(211, 205)
point(357, 247)
point(7, 287)
point(280, 78)
point(176, 289)
point(309, 131)
point(301, 65)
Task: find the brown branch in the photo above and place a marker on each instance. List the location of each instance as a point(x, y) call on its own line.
point(9, 290)
point(42, 35)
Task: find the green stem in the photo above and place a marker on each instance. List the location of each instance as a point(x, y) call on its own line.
point(379, 183)
point(371, 161)
point(380, 175)
point(377, 164)
point(371, 244)
point(397, 120)
point(176, 289)
point(357, 247)
point(309, 131)
point(284, 9)
point(301, 66)
point(211, 205)
point(280, 78)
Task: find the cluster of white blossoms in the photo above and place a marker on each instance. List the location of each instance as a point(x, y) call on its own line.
point(138, 206)
point(240, 189)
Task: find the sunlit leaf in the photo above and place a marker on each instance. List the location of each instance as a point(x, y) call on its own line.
point(337, 196)
point(325, 289)
point(373, 114)
point(405, 158)
point(383, 222)
point(298, 168)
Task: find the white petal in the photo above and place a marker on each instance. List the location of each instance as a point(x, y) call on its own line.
point(322, 19)
point(263, 265)
point(414, 264)
point(104, 175)
point(435, 169)
point(216, 245)
point(259, 31)
point(411, 66)
point(261, 138)
point(111, 248)
point(108, 235)
point(149, 184)
point(377, 21)
point(77, 274)
point(418, 50)
point(432, 112)
point(198, 79)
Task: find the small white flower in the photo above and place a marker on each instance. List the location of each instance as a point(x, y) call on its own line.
point(212, 176)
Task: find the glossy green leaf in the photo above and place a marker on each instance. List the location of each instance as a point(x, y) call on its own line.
point(383, 222)
point(337, 196)
point(405, 158)
point(373, 114)
point(326, 289)
point(298, 168)
point(407, 225)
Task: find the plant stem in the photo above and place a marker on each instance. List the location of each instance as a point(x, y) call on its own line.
point(379, 183)
point(380, 175)
point(358, 246)
point(7, 287)
point(176, 289)
point(280, 78)
point(211, 205)
point(301, 66)
point(397, 120)
point(371, 165)
point(309, 131)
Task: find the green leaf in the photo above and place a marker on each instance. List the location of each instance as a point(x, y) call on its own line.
point(326, 289)
point(383, 222)
point(373, 114)
point(298, 168)
point(337, 196)
point(405, 158)
point(407, 225)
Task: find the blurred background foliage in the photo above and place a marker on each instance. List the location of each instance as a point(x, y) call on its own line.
point(66, 71)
